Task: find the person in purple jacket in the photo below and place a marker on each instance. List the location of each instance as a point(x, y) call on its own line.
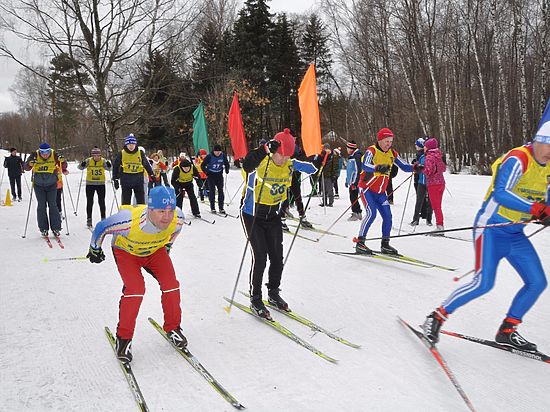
point(433, 170)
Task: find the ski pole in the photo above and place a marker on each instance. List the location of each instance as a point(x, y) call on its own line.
point(237, 191)
point(65, 211)
point(404, 208)
point(79, 187)
point(305, 210)
point(228, 308)
point(28, 211)
point(457, 278)
point(355, 201)
point(457, 229)
point(70, 196)
point(46, 260)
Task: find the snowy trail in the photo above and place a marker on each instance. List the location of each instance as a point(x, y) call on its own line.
point(54, 354)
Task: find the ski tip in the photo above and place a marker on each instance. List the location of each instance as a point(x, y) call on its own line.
point(227, 309)
point(456, 279)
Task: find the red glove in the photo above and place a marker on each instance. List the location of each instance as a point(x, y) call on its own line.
point(541, 211)
point(353, 187)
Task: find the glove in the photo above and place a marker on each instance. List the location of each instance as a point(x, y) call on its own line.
point(541, 211)
point(83, 164)
point(272, 146)
point(168, 247)
point(417, 167)
point(115, 184)
point(108, 164)
point(353, 187)
point(346, 185)
point(382, 168)
point(95, 255)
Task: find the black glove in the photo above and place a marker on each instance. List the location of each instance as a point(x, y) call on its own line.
point(108, 164)
point(382, 168)
point(83, 164)
point(115, 184)
point(168, 247)
point(272, 145)
point(417, 167)
point(95, 255)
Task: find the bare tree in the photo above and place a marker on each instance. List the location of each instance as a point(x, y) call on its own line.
point(109, 40)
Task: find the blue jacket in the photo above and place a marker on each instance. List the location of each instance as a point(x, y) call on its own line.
point(354, 168)
point(215, 164)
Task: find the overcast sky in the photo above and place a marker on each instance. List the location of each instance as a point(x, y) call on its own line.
point(8, 68)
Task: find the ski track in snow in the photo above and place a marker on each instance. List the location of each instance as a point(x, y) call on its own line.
point(54, 354)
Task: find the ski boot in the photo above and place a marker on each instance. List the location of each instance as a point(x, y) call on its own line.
point(56, 233)
point(507, 335)
point(414, 222)
point(355, 216)
point(198, 216)
point(433, 323)
point(437, 228)
point(361, 248)
point(178, 338)
point(289, 214)
point(259, 309)
point(276, 300)
point(429, 223)
point(44, 233)
point(284, 226)
point(124, 350)
point(305, 223)
point(89, 222)
point(387, 249)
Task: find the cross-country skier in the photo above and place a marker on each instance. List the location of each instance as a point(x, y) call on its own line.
point(376, 166)
point(269, 171)
point(214, 165)
point(518, 193)
point(142, 238)
point(182, 181)
point(43, 164)
point(129, 166)
point(95, 182)
point(353, 171)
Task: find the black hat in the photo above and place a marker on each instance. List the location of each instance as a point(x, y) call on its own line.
point(13, 149)
point(217, 148)
point(185, 163)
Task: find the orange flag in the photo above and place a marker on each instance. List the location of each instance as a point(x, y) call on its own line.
point(236, 129)
point(309, 109)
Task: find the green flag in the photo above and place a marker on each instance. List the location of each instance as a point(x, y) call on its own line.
point(200, 131)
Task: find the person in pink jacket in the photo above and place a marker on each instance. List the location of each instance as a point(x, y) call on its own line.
point(433, 169)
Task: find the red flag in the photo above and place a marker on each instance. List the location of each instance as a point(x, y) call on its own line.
point(236, 129)
point(309, 108)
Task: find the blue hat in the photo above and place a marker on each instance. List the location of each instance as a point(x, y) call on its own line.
point(419, 142)
point(162, 197)
point(543, 133)
point(44, 148)
point(130, 139)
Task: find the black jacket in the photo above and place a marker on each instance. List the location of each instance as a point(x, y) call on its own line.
point(130, 179)
point(14, 164)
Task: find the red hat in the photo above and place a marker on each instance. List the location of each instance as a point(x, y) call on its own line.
point(383, 133)
point(431, 143)
point(202, 152)
point(287, 143)
point(351, 145)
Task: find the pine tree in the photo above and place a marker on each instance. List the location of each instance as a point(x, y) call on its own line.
point(286, 70)
point(314, 48)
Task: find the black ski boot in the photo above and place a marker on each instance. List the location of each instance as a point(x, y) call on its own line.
point(361, 248)
point(259, 309)
point(507, 335)
point(44, 233)
point(56, 233)
point(124, 350)
point(276, 300)
point(89, 222)
point(178, 338)
point(387, 249)
point(305, 223)
point(432, 325)
point(284, 226)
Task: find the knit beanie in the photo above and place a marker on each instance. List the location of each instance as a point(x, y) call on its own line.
point(351, 145)
point(383, 133)
point(130, 139)
point(96, 151)
point(44, 148)
point(431, 143)
point(287, 142)
point(420, 143)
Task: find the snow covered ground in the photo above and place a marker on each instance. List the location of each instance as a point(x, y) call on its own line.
point(54, 354)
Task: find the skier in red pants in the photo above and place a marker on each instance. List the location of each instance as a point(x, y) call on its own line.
point(142, 238)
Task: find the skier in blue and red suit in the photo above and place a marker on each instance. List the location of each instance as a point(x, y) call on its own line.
point(518, 193)
point(375, 175)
